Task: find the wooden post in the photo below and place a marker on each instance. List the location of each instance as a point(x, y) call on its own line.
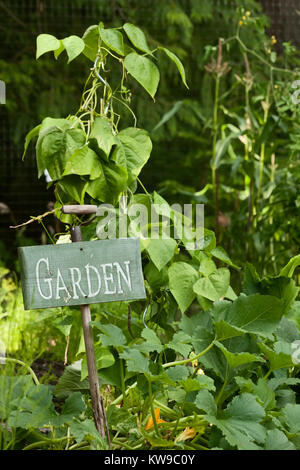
point(97, 401)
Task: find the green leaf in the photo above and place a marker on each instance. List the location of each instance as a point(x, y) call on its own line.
point(161, 251)
point(180, 344)
point(289, 269)
point(182, 277)
point(74, 187)
point(219, 253)
point(190, 385)
point(46, 43)
point(112, 334)
point(206, 382)
point(64, 324)
point(177, 62)
point(207, 267)
point(70, 381)
point(74, 405)
point(104, 359)
point(91, 39)
point(109, 186)
point(206, 402)
point(84, 161)
point(133, 151)
point(32, 408)
point(214, 286)
point(137, 37)
point(240, 422)
point(33, 133)
point(276, 382)
point(58, 51)
point(226, 331)
point(144, 71)
point(136, 361)
point(177, 373)
point(238, 359)
point(278, 360)
point(277, 440)
point(54, 148)
point(259, 314)
point(152, 343)
point(74, 46)
point(82, 429)
point(291, 414)
point(113, 39)
point(102, 137)
point(167, 116)
point(262, 390)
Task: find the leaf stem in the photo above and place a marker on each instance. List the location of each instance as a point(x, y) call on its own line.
point(185, 361)
point(152, 408)
point(16, 361)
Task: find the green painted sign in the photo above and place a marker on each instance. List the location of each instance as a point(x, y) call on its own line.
point(81, 273)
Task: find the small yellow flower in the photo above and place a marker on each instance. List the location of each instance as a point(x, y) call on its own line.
point(274, 40)
point(244, 18)
point(200, 372)
point(248, 13)
point(150, 423)
point(188, 433)
point(240, 23)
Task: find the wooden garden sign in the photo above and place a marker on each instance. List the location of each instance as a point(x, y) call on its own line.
point(79, 274)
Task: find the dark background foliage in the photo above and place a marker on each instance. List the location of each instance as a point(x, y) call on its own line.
point(36, 89)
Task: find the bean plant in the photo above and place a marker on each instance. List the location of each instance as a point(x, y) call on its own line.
point(200, 364)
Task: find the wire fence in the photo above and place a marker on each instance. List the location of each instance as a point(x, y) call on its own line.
point(21, 194)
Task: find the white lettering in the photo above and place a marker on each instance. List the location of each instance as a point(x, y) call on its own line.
point(62, 287)
point(47, 280)
point(126, 276)
point(87, 268)
point(76, 282)
point(108, 278)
